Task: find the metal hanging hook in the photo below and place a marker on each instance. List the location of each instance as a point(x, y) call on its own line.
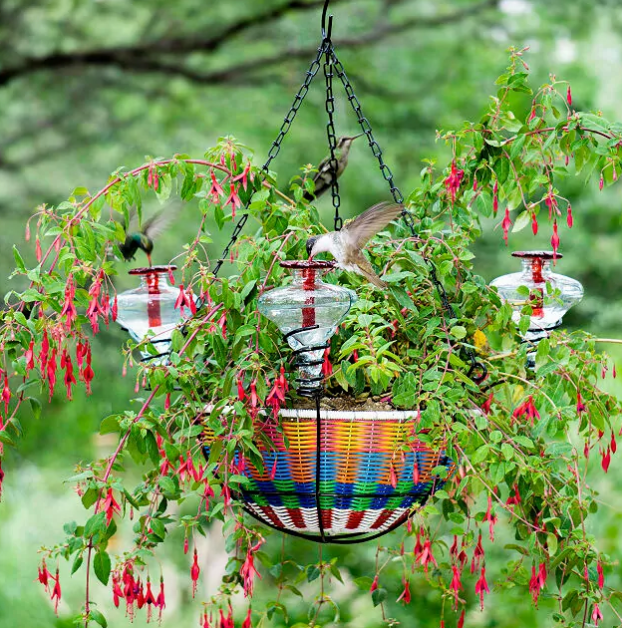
point(326, 34)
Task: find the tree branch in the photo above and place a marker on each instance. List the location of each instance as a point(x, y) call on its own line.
point(140, 59)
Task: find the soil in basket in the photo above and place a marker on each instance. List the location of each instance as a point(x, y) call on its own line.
point(345, 404)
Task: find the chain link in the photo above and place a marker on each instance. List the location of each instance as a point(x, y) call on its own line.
point(477, 371)
point(314, 68)
point(332, 135)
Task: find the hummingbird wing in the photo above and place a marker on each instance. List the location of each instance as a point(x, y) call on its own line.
point(358, 263)
point(358, 232)
point(158, 223)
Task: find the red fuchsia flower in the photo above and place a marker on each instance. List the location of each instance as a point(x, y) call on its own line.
point(460, 623)
point(161, 600)
point(506, 223)
point(405, 596)
point(392, 477)
point(204, 620)
point(495, 198)
point(6, 393)
point(216, 190)
point(233, 200)
point(492, 519)
point(478, 554)
point(601, 576)
point(555, 240)
point(30, 356)
point(481, 587)
point(601, 183)
point(43, 575)
point(150, 600)
point(453, 181)
point(456, 584)
point(605, 459)
point(569, 96)
point(38, 252)
point(580, 405)
point(475, 183)
point(117, 591)
point(533, 114)
point(327, 367)
point(426, 557)
point(569, 219)
point(248, 573)
point(241, 393)
point(613, 445)
point(153, 177)
point(534, 224)
point(1, 471)
point(550, 201)
point(195, 570)
point(69, 309)
point(355, 356)
point(486, 405)
point(374, 584)
point(514, 498)
point(185, 299)
point(247, 620)
point(51, 372)
point(597, 615)
point(67, 364)
point(110, 506)
point(537, 582)
point(254, 399)
point(56, 592)
point(276, 396)
point(244, 175)
point(115, 307)
point(222, 323)
point(527, 409)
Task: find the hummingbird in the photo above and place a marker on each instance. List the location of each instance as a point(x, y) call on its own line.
point(323, 177)
point(346, 245)
point(143, 238)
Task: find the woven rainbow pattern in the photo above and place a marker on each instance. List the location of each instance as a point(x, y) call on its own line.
point(373, 470)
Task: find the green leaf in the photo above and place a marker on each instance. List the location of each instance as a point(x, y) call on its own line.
point(35, 406)
point(551, 543)
point(313, 573)
point(379, 596)
point(101, 566)
point(95, 524)
point(458, 332)
point(18, 260)
point(99, 618)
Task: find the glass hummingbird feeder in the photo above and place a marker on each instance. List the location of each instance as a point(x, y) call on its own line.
point(149, 312)
point(548, 295)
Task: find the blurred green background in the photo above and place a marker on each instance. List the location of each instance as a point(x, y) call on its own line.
point(89, 85)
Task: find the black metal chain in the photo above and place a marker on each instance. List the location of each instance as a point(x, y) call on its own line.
point(332, 135)
point(475, 366)
point(314, 68)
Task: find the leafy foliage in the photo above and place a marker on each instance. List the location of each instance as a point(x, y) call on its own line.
point(515, 437)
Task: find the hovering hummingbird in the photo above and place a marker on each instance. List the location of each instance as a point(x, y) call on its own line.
point(346, 245)
point(323, 177)
point(143, 238)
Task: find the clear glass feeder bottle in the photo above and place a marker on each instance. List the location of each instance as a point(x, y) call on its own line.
point(149, 310)
point(307, 312)
point(550, 295)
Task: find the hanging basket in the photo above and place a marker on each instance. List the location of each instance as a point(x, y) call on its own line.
point(373, 472)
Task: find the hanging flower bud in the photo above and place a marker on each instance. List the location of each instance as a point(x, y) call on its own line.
point(492, 519)
point(601, 576)
point(405, 596)
point(38, 249)
point(555, 240)
point(247, 620)
point(601, 183)
point(569, 219)
point(495, 198)
point(481, 587)
point(532, 115)
point(569, 96)
point(506, 223)
point(460, 623)
point(613, 445)
point(597, 615)
point(195, 570)
point(241, 393)
point(374, 584)
point(605, 459)
point(534, 224)
point(580, 405)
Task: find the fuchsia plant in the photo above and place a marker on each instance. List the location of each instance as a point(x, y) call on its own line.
point(510, 437)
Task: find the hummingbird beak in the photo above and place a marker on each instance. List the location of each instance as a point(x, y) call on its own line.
point(353, 137)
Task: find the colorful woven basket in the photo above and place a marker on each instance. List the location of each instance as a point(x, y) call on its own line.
point(372, 471)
